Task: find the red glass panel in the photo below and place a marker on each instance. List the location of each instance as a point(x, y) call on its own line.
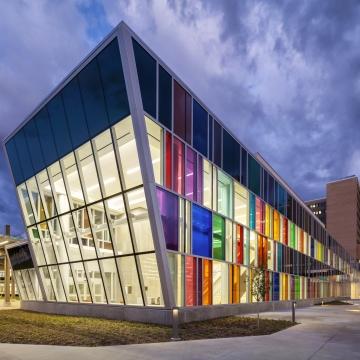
point(285, 231)
point(258, 215)
point(168, 157)
point(264, 254)
point(178, 183)
point(182, 113)
point(190, 281)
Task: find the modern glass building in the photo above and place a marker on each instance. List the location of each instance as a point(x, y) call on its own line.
point(137, 198)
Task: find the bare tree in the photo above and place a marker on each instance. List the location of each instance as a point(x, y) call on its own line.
point(258, 287)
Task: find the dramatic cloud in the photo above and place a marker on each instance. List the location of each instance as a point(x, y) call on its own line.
point(284, 76)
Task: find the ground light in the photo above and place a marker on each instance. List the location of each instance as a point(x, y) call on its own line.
point(175, 322)
point(293, 306)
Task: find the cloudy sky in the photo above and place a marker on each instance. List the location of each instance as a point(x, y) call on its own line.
point(284, 75)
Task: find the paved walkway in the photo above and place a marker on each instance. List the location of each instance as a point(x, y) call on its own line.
point(328, 332)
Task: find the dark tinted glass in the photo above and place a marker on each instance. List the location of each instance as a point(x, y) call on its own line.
point(34, 146)
point(254, 175)
point(217, 143)
point(164, 98)
point(23, 154)
point(46, 137)
point(244, 166)
point(231, 155)
point(113, 82)
point(14, 161)
point(210, 138)
point(75, 113)
point(266, 186)
point(93, 98)
point(146, 68)
point(271, 191)
point(200, 128)
point(182, 113)
point(59, 125)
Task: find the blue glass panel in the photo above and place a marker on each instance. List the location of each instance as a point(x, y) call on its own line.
point(201, 231)
point(146, 68)
point(210, 141)
point(23, 154)
point(46, 136)
point(244, 157)
point(59, 125)
point(93, 99)
point(279, 256)
point(165, 96)
point(75, 113)
point(275, 286)
point(113, 82)
point(217, 143)
point(231, 155)
point(32, 138)
point(200, 128)
point(254, 176)
point(14, 161)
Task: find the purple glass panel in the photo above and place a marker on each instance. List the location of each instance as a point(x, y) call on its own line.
point(169, 211)
point(200, 185)
point(190, 174)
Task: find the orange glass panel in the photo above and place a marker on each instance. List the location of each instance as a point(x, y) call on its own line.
point(235, 284)
point(207, 282)
point(190, 281)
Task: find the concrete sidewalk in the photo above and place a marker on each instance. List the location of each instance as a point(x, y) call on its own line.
point(325, 332)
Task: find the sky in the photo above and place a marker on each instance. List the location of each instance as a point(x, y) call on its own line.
point(284, 76)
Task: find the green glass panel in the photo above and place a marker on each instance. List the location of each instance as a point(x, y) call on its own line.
point(218, 237)
point(252, 220)
point(292, 235)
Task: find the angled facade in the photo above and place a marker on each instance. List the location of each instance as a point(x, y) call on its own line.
point(137, 199)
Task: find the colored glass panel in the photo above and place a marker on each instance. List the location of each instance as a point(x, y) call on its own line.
point(201, 231)
point(190, 174)
point(207, 282)
point(217, 143)
point(182, 113)
point(235, 284)
point(190, 281)
point(200, 180)
point(231, 155)
point(169, 212)
point(168, 160)
point(165, 91)
point(218, 237)
point(239, 244)
point(252, 212)
point(178, 184)
point(200, 128)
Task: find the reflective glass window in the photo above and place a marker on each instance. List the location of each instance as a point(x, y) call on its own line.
point(119, 226)
point(35, 200)
point(130, 280)
point(165, 95)
point(58, 188)
point(201, 231)
point(59, 125)
point(26, 205)
point(100, 230)
point(57, 283)
point(113, 82)
point(93, 98)
point(70, 237)
point(32, 138)
point(152, 284)
point(75, 113)
point(176, 266)
point(83, 229)
point(111, 281)
point(128, 153)
point(217, 143)
point(71, 175)
point(169, 212)
point(107, 167)
point(14, 161)
point(220, 283)
point(88, 173)
point(46, 194)
point(190, 174)
point(36, 245)
point(218, 237)
point(225, 193)
point(20, 285)
point(244, 161)
point(207, 183)
point(24, 154)
point(81, 280)
point(95, 282)
point(35, 283)
point(47, 243)
point(146, 68)
point(154, 132)
point(68, 282)
point(46, 136)
point(182, 113)
point(45, 276)
point(200, 128)
point(57, 240)
point(231, 155)
point(241, 204)
point(254, 175)
point(139, 218)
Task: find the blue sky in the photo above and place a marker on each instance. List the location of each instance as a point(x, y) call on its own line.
point(283, 75)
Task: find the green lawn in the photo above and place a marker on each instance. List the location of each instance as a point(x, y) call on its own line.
point(18, 326)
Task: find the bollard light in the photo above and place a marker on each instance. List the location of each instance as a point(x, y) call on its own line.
point(175, 325)
point(293, 310)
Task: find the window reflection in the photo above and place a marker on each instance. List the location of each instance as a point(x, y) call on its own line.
point(68, 281)
point(154, 132)
point(59, 191)
point(26, 205)
point(36, 245)
point(35, 200)
point(111, 281)
point(81, 281)
point(95, 282)
point(47, 243)
point(46, 194)
point(57, 240)
point(70, 237)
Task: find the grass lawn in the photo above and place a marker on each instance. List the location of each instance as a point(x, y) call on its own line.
point(25, 327)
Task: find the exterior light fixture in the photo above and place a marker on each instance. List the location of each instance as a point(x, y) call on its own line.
point(175, 324)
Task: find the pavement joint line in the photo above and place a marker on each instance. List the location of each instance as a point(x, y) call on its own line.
point(324, 344)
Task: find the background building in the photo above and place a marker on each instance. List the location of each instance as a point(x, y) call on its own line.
point(137, 199)
point(340, 211)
